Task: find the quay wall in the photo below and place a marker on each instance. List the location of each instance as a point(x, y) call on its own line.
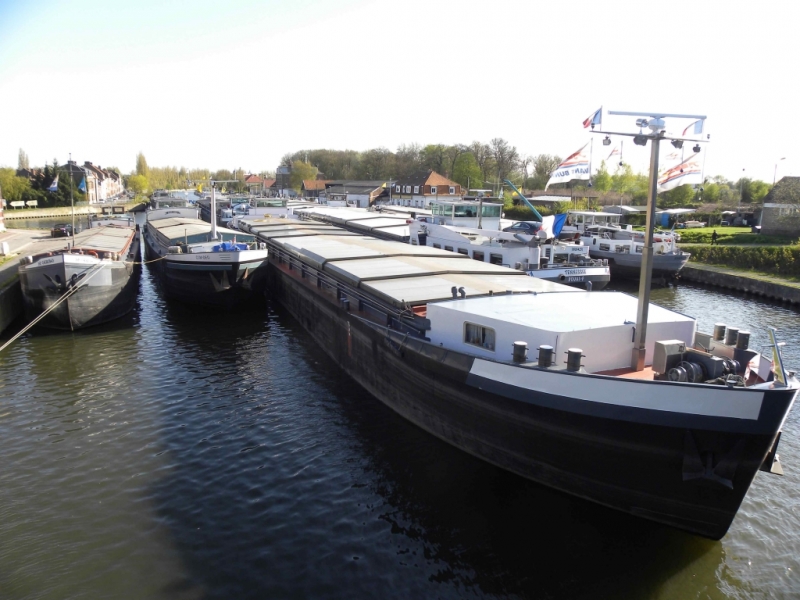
point(742, 283)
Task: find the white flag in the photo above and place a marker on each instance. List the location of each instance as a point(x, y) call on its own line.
point(576, 166)
point(687, 172)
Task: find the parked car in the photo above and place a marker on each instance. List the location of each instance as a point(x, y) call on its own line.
point(61, 230)
point(526, 227)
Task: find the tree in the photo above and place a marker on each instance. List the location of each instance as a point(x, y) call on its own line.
point(602, 179)
point(138, 184)
point(483, 157)
point(141, 165)
point(505, 156)
point(452, 153)
point(13, 188)
point(467, 172)
point(434, 157)
point(758, 190)
point(543, 166)
point(408, 159)
point(23, 162)
point(623, 181)
point(678, 197)
point(300, 172)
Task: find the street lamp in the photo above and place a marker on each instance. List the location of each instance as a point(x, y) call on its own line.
point(775, 173)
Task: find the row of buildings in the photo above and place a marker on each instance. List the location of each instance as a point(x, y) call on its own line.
point(416, 191)
point(101, 184)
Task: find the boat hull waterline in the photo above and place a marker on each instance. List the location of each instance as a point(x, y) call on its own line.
point(632, 446)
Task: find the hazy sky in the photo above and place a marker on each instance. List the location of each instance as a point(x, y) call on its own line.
point(240, 83)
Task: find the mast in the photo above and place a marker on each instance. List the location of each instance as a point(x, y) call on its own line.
point(71, 201)
point(646, 274)
point(213, 210)
point(654, 122)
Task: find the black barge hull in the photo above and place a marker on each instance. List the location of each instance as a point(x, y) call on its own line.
point(690, 472)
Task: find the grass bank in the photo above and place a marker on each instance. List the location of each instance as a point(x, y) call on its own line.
point(736, 236)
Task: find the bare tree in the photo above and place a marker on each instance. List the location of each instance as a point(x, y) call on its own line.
point(23, 162)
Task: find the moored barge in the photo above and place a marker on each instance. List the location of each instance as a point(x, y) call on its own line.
point(92, 281)
point(443, 341)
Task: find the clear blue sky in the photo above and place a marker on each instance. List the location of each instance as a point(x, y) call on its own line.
point(241, 83)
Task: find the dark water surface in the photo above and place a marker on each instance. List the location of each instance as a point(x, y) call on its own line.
point(177, 454)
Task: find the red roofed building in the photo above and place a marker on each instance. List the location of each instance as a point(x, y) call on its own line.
point(254, 183)
point(422, 188)
point(312, 187)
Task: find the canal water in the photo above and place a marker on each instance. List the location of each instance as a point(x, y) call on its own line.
point(177, 454)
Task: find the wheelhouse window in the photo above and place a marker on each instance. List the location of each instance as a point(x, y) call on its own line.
point(478, 335)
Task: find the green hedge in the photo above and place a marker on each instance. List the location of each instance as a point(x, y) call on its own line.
point(778, 260)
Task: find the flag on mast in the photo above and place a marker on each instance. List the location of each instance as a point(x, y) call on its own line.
point(596, 118)
point(575, 166)
point(82, 185)
point(688, 172)
point(698, 128)
point(614, 152)
point(53, 186)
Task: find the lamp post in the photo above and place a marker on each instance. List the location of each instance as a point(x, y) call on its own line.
point(741, 194)
point(775, 172)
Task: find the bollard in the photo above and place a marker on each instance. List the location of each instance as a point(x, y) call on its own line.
point(743, 340)
point(520, 353)
point(545, 356)
point(574, 356)
point(730, 336)
point(719, 332)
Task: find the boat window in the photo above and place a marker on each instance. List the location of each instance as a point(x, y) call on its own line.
point(462, 211)
point(437, 246)
point(463, 251)
point(478, 255)
point(492, 210)
point(448, 248)
point(496, 259)
point(478, 335)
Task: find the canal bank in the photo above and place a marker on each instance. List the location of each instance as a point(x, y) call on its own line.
point(759, 284)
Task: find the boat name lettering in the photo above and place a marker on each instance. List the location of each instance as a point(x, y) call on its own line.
point(47, 261)
point(576, 272)
point(572, 279)
point(203, 257)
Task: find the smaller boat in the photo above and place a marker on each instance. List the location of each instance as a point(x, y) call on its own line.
point(539, 255)
point(606, 239)
point(93, 281)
